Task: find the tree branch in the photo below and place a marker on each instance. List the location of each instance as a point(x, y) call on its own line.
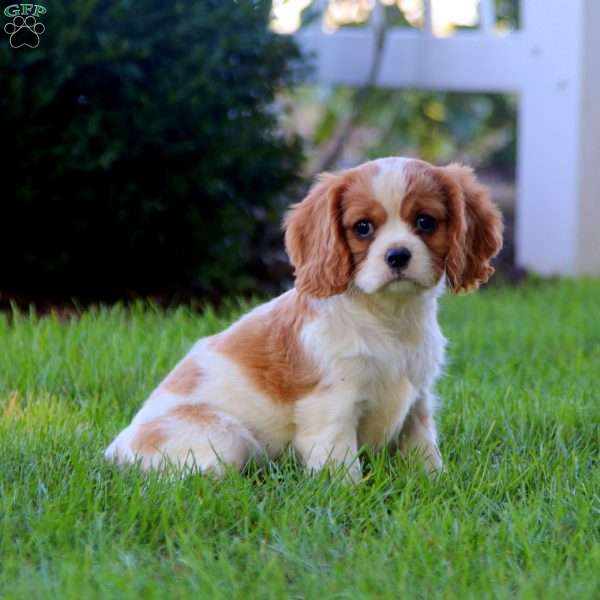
point(344, 130)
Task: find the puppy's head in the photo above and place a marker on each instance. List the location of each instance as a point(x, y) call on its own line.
point(395, 224)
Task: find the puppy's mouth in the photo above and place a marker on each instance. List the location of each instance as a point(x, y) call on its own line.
point(399, 281)
point(402, 282)
point(398, 276)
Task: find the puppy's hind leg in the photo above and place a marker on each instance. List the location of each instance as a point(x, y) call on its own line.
point(189, 436)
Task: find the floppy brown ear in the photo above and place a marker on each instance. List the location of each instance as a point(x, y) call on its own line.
point(475, 229)
point(315, 241)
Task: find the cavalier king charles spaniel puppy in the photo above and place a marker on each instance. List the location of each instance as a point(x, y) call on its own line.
point(350, 356)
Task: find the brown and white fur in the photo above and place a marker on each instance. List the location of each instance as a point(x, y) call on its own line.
point(347, 358)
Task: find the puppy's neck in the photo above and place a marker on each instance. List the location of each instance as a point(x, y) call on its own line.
point(403, 316)
point(389, 306)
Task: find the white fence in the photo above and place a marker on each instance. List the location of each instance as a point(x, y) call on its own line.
point(553, 63)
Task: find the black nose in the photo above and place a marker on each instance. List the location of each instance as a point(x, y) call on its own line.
point(397, 258)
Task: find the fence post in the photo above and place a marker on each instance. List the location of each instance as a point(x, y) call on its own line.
point(558, 211)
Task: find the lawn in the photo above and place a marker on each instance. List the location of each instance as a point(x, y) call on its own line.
point(516, 513)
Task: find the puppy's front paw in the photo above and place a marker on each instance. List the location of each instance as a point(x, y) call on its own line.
point(419, 436)
point(337, 458)
point(432, 460)
point(426, 454)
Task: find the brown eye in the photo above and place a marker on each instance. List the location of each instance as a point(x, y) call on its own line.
point(364, 229)
point(425, 223)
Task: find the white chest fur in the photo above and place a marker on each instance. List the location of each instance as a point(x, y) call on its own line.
point(375, 341)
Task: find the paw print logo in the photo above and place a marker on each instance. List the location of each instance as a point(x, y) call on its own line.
point(24, 31)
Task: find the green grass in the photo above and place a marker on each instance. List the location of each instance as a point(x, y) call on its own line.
point(516, 514)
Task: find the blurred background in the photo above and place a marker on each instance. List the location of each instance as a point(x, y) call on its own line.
point(150, 147)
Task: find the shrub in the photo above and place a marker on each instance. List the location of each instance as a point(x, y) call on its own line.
point(141, 148)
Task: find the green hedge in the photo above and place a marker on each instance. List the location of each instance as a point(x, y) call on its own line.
point(141, 148)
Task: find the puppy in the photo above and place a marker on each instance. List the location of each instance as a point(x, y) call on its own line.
point(347, 358)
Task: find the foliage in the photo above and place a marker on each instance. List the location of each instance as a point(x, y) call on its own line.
point(515, 515)
point(435, 126)
point(508, 13)
point(141, 148)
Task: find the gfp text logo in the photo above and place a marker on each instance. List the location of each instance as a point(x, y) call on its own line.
point(24, 29)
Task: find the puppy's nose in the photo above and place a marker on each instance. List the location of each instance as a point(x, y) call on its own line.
point(397, 258)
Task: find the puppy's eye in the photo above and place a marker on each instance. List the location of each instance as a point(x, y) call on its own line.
point(364, 228)
point(425, 223)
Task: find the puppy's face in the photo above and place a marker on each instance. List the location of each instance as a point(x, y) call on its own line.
point(395, 224)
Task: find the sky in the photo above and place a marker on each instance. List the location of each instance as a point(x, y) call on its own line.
point(446, 14)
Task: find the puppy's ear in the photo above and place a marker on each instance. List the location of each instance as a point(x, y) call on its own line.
point(315, 240)
point(475, 229)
